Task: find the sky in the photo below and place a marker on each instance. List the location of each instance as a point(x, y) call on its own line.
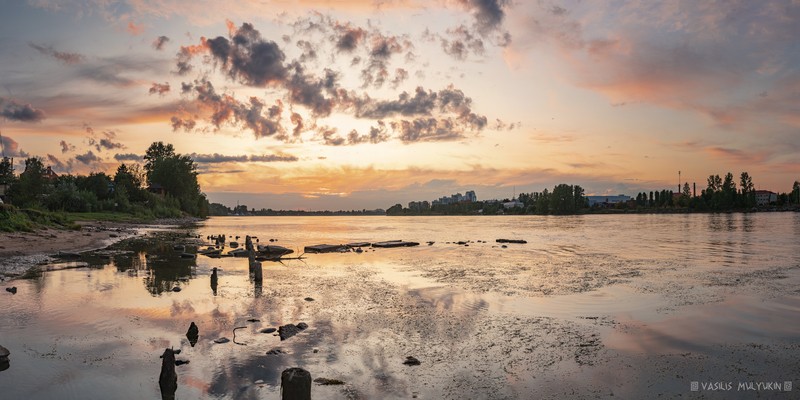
point(315, 104)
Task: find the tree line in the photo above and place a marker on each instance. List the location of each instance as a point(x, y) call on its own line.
point(165, 187)
point(720, 194)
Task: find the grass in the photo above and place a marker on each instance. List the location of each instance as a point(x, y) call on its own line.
point(13, 219)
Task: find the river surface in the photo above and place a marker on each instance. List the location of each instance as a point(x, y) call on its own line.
point(632, 306)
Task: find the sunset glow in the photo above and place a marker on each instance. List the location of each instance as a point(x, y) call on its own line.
point(364, 104)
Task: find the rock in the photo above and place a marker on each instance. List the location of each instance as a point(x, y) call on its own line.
point(308, 299)
point(12, 290)
point(287, 331)
point(193, 334)
point(275, 352)
point(181, 362)
point(411, 361)
point(222, 340)
point(4, 353)
point(268, 330)
point(176, 289)
point(302, 325)
point(253, 320)
point(113, 235)
point(326, 381)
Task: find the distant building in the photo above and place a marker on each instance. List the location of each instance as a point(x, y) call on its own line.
point(607, 200)
point(471, 197)
point(456, 198)
point(49, 174)
point(513, 203)
point(765, 197)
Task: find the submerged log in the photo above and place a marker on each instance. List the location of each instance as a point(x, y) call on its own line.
point(295, 384)
point(168, 379)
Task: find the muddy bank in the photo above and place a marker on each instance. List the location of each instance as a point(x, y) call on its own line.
point(19, 251)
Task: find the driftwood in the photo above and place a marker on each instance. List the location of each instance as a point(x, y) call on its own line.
point(295, 384)
point(234, 335)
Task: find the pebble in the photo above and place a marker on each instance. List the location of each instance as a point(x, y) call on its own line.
point(222, 340)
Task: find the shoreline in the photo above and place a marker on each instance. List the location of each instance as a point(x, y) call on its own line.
point(22, 251)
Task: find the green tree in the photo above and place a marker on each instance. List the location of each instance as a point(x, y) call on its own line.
point(177, 175)
point(29, 189)
point(580, 198)
point(6, 172)
point(687, 191)
point(728, 192)
point(795, 197)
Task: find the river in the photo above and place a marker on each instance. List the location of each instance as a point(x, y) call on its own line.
point(591, 306)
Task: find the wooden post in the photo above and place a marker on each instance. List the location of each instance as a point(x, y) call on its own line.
point(168, 380)
point(295, 384)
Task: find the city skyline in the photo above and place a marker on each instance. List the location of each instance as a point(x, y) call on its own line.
point(360, 104)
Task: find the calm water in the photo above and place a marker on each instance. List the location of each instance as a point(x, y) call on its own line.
point(634, 305)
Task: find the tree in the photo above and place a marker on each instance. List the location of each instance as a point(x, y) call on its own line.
point(687, 191)
point(748, 190)
point(177, 175)
point(580, 198)
point(728, 192)
point(29, 189)
point(714, 183)
point(6, 172)
point(795, 197)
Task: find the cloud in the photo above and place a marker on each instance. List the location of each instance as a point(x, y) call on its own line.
point(159, 88)
point(58, 165)
point(66, 147)
point(488, 14)
point(248, 58)
point(11, 148)
point(219, 158)
point(88, 158)
point(180, 123)
point(461, 42)
point(108, 145)
point(427, 130)
point(135, 29)
point(225, 109)
point(128, 157)
point(64, 57)
point(710, 57)
point(13, 111)
point(348, 38)
point(160, 42)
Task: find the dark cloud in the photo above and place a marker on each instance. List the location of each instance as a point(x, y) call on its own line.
point(159, 43)
point(88, 158)
point(220, 158)
point(66, 58)
point(427, 130)
point(382, 49)
point(180, 123)
point(310, 92)
point(348, 38)
point(309, 51)
point(400, 75)
point(248, 58)
point(11, 148)
point(13, 111)
point(489, 14)
point(330, 137)
point(461, 42)
point(377, 134)
point(66, 147)
point(225, 109)
point(105, 144)
point(159, 88)
point(57, 165)
point(128, 157)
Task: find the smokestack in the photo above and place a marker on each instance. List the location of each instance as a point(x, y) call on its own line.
point(694, 189)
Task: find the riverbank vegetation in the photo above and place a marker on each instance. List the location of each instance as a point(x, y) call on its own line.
point(164, 187)
point(720, 195)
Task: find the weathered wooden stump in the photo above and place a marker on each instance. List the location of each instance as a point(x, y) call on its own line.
point(193, 334)
point(168, 380)
point(295, 384)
